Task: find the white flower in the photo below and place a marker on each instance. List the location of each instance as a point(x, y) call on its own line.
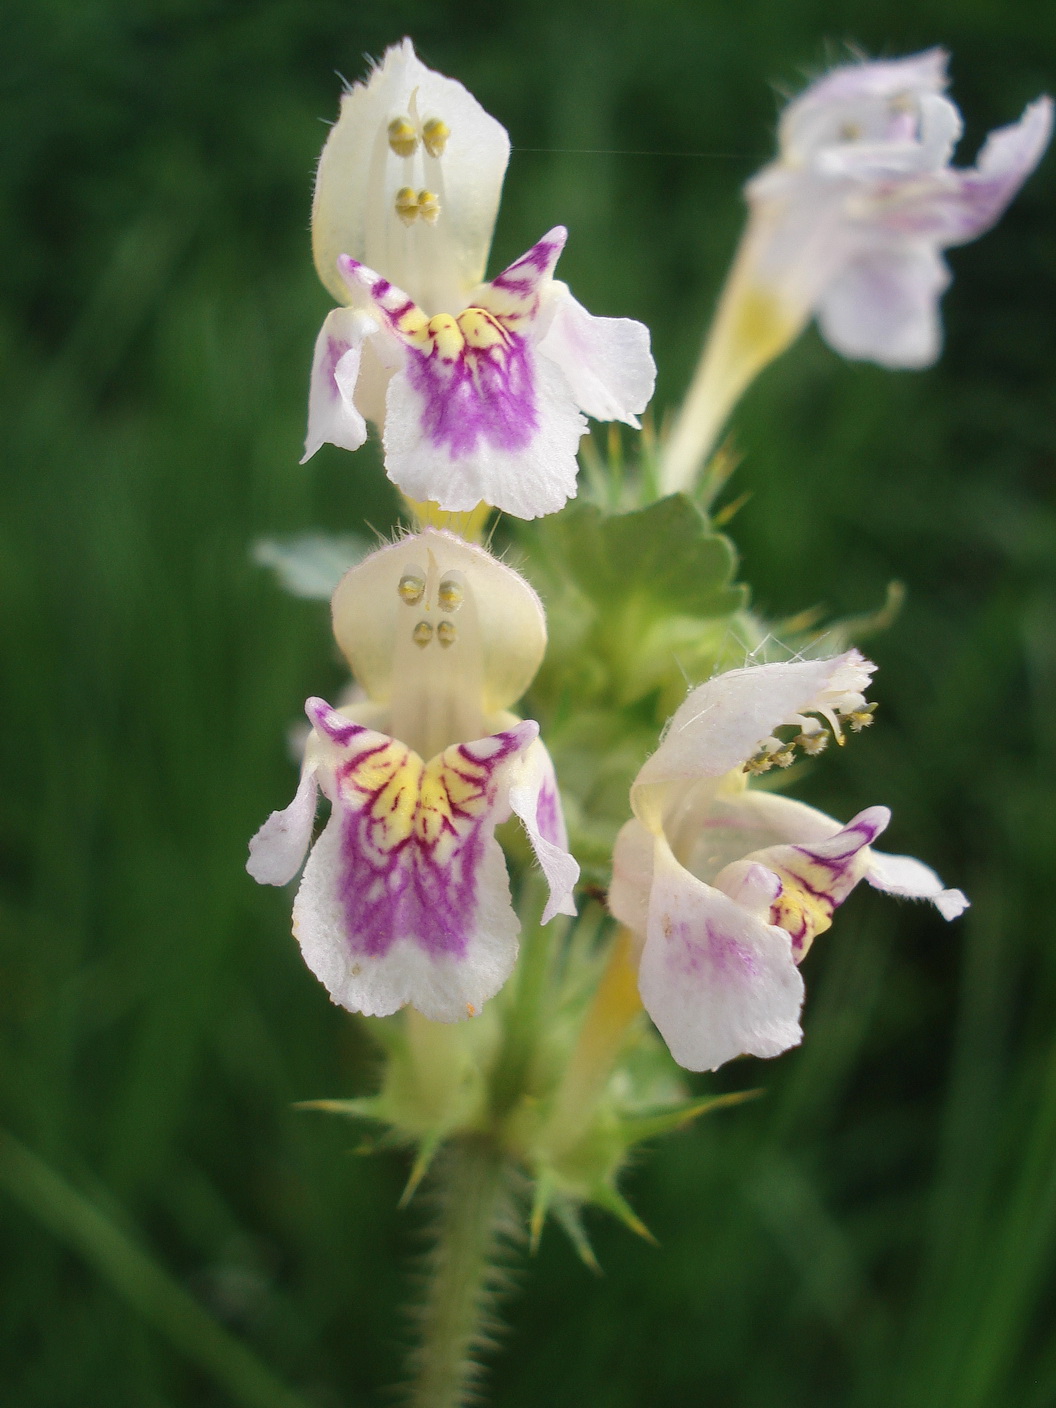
point(848, 225)
point(405, 898)
point(726, 887)
point(480, 388)
point(850, 220)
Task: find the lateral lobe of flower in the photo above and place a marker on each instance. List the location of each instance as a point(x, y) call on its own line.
point(812, 881)
point(333, 417)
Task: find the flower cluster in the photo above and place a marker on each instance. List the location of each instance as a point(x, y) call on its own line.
point(479, 389)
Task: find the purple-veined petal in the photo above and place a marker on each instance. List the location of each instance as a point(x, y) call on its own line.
point(884, 305)
point(333, 417)
point(515, 297)
point(717, 981)
point(535, 799)
point(912, 879)
point(405, 898)
point(354, 211)
point(503, 430)
point(815, 879)
point(277, 851)
point(606, 361)
point(476, 413)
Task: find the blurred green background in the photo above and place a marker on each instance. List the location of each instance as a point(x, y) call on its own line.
point(880, 1228)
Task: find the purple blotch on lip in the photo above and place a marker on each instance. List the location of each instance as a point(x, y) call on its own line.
point(726, 959)
point(403, 891)
point(486, 396)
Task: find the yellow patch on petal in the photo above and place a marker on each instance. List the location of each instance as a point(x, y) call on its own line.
point(800, 911)
point(405, 797)
point(446, 335)
point(480, 329)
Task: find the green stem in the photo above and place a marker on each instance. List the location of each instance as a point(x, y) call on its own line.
point(454, 1313)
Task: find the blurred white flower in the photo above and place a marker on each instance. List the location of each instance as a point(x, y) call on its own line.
point(848, 225)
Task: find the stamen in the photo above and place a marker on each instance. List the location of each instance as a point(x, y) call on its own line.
point(784, 757)
point(850, 132)
point(407, 205)
point(422, 633)
point(403, 139)
point(450, 594)
point(435, 134)
point(429, 206)
point(762, 762)
point(860, 718)
point(446, 633)
point(812, 743)
point(411, 588)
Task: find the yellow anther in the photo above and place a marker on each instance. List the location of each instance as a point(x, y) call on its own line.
point(429, 206)
point(784, 757)
point(403, 139)
point(422, 633)
point(445, 332)
point(850, 132)
point(762, 762)
point(411, 588)
point(860, 718)
point(479, 328)
point(812, 743)
point(407, 205)
point(450, 594)
point(446, 633)
point(435, 134)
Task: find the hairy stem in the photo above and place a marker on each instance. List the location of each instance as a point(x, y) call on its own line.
point(472, 1188)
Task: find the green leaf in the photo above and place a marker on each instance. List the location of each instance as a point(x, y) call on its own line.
point(666, 555)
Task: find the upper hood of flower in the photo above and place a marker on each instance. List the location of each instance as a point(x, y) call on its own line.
point(442, 633)
point(409, 132)
point(872, 116)
point(725, 722)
